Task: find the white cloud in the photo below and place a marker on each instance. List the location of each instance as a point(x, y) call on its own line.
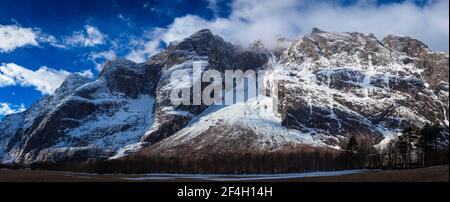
point(267, 19)
point(46, 80)
point(46, 38)
point(88, 37)
point(86, 73)
point(15, 36)
point(185, 26)
point(142, 49)
point(12, 37)
point(98, 58)
point(7, 108)
point(429, 24)
point(213, 5)
point(142, 53)
point(6, 80)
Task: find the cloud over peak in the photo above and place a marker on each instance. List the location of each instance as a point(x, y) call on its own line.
point(266, 20)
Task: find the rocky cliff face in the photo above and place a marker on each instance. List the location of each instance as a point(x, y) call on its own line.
point(341, 84)
point(83, 119)
point(330, 86)
point(202, 46)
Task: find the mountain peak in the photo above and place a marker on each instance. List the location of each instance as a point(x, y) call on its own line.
point(71, 83)
point(316, 30)
point(203, 36)
point(257, 44)
point(118, 61)
point(202, 33)
point(112, 65)
point(406, 44)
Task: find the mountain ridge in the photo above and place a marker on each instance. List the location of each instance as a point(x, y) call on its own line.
point(333, 85)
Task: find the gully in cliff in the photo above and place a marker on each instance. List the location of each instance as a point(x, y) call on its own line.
point(239, 86)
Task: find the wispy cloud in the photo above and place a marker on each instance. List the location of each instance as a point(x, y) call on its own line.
point(126, 19)
point(149, 45)
point(90, 36)
point(144, 51)
point(16, 36)
point(46, 80)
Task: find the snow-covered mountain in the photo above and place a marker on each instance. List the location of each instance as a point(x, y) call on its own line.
point(331, 86)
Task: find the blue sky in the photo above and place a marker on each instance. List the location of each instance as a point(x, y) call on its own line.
point(41, 42)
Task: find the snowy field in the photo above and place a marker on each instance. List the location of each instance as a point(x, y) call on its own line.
point(243, 177)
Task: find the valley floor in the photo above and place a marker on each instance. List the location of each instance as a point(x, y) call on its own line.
point(430, 174)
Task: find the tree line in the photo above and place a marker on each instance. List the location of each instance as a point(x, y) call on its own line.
point(232, 163)
point(417, 147)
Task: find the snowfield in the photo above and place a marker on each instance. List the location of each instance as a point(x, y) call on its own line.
point(256, 115)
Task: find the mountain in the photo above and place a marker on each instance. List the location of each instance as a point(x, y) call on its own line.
point(330, 86)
